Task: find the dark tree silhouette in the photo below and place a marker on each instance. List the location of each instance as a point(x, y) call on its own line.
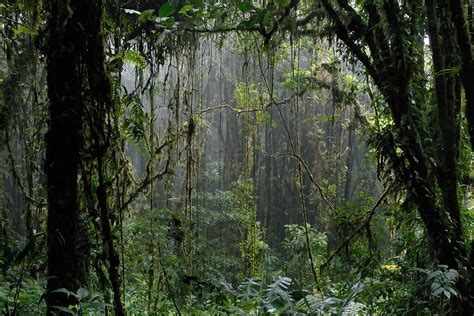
point(76, 76)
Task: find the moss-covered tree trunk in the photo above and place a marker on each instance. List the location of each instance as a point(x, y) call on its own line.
point(67, 45)
point(76, 79)
point(397, 74)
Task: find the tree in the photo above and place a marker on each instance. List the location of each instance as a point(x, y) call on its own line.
point(387, 38)
point(76, 76)
point(140, 185)
point(65, 52)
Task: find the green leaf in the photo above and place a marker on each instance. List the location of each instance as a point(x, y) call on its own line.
point(248, 289)
point(438, 291)
point(82, 293)
point(95, 306)
point(280, 284)
point(245, 6)
point(447, 294)
point(268, 17)
point(146, 16)
point(277, 296)
point(453, 291)
point(22, 30)
point(65, 291)
point(282, 3)
point(166, 10)
point(131, 56)
point(184, 10)
point(64, 309)
point(197, 3)
point(166, 21)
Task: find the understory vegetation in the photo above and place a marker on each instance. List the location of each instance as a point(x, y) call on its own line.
point(270, 157)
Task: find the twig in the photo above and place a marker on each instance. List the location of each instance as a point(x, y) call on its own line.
point(11, 20)
point(311, 178)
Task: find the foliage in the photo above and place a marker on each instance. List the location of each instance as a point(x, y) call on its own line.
point(222, 122)
point(87, 303)
point(21, 295)
point(334, 305)
point(441, 281)
point(252, 247)
point(297, 264)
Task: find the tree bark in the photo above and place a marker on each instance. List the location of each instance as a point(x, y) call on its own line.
point(63, 144)
point(76, 77)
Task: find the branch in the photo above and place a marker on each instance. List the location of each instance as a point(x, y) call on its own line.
point(305, 20)
point(144, 185)
point(266, 107)
point(11, 20)
point(392, 12)
point(377, 39)
point(311, 178)
point(358, 113)
point(283, 15)
point(226, 106)
point(368, 216)
point(343, 34)
point(148, 179)
point(224, 30)
point(357, 24)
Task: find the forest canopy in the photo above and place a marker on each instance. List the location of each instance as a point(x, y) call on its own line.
point(244, 157)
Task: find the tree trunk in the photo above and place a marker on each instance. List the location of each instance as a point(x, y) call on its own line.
point(63, 141)
point(394, 72)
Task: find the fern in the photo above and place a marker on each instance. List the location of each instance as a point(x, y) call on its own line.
point(315, 304)
point(131, 56)
point(310, 303)
point(280, 284)
point(248, 289)
point(277, 297)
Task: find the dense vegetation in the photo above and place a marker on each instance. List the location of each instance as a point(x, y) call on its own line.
point(196, 157)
